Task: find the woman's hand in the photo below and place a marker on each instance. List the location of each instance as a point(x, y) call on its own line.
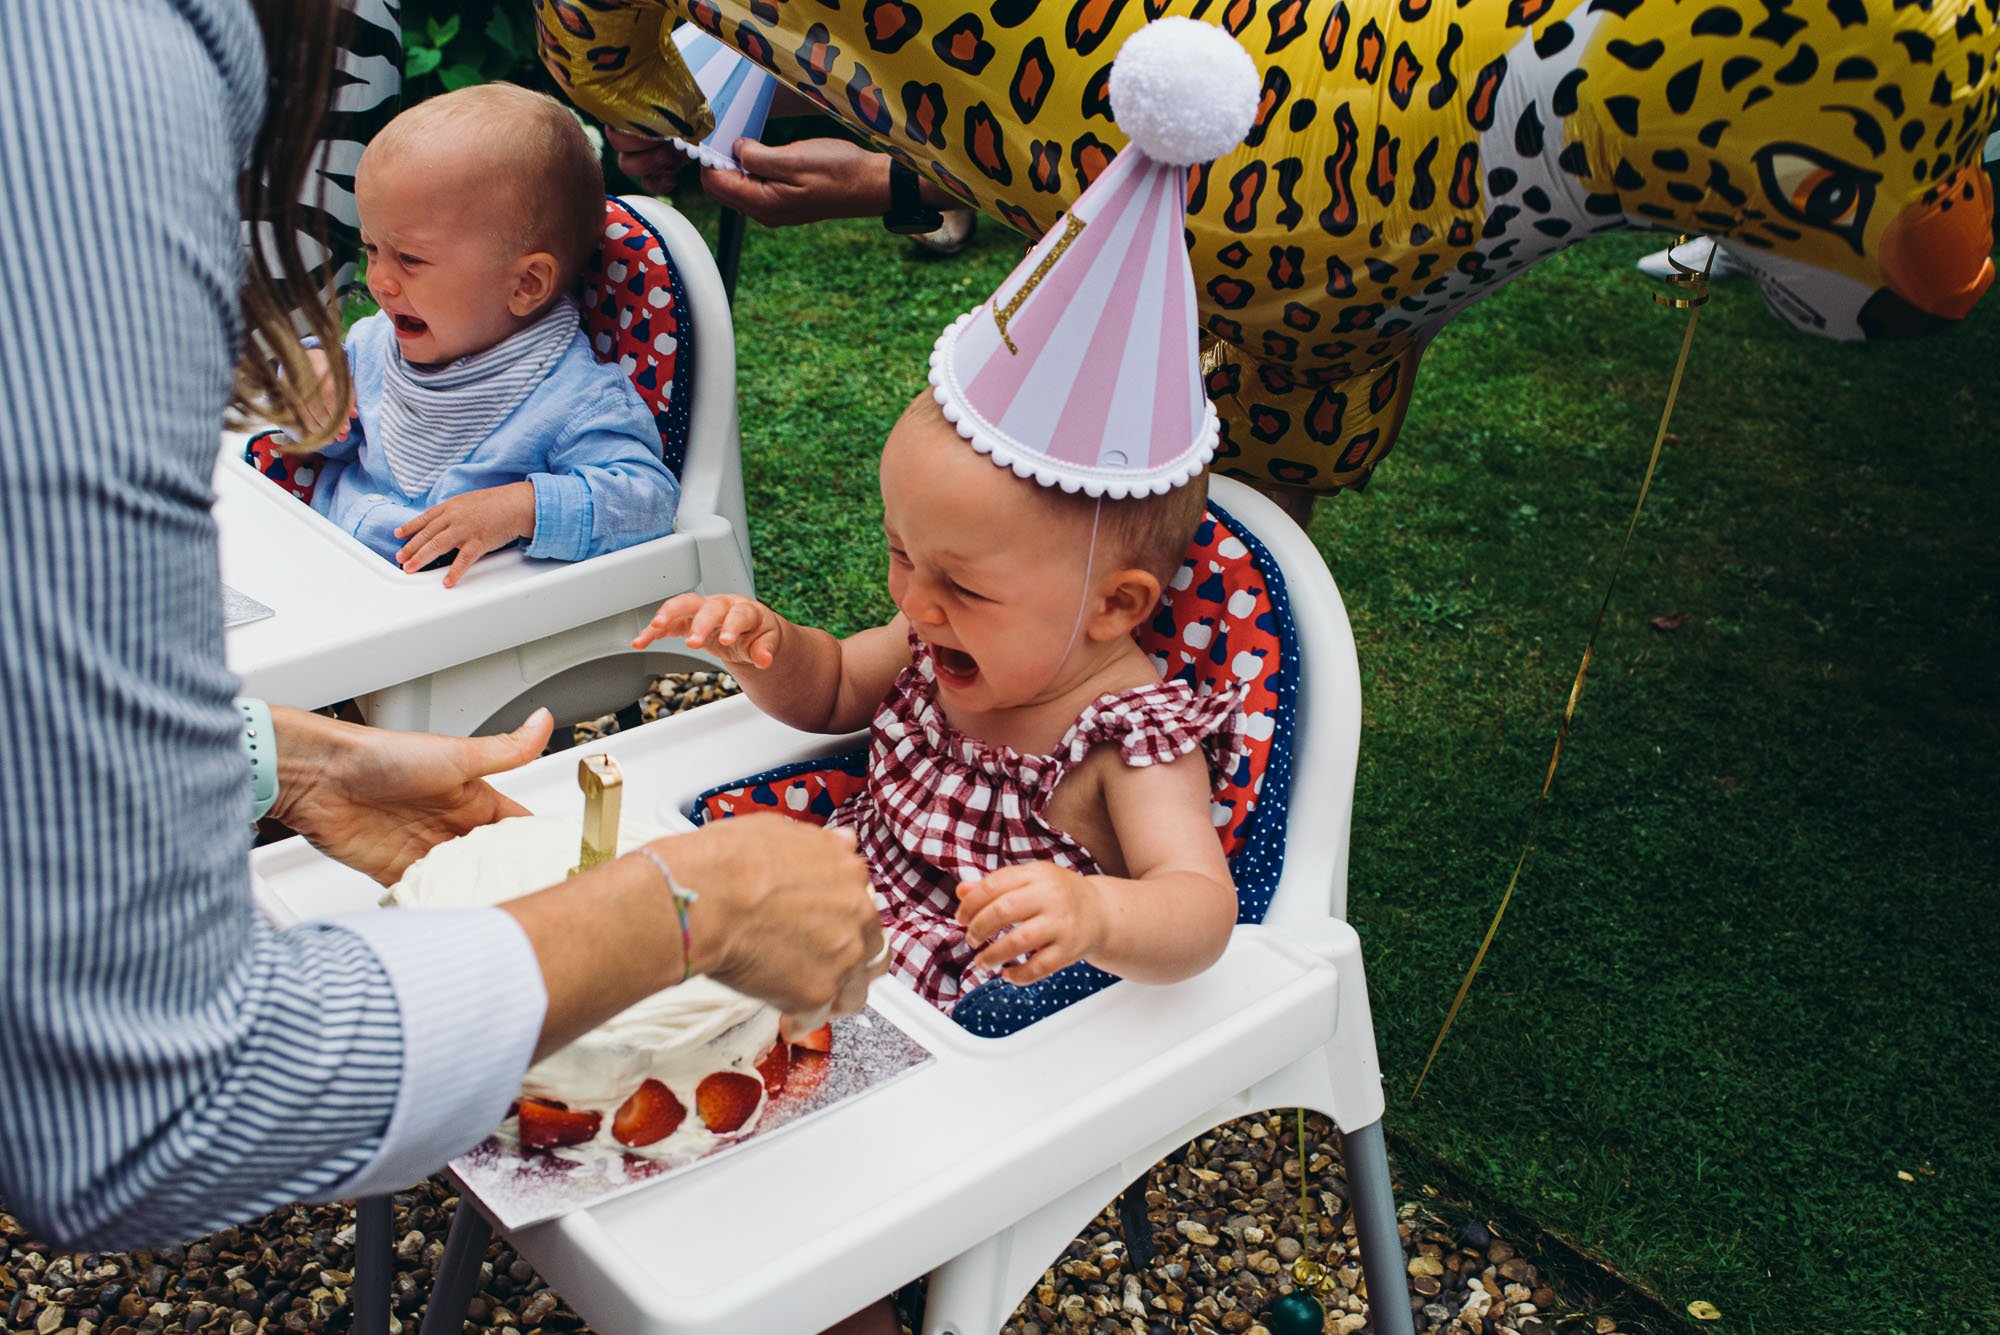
point(1052, 915)
point(802, 182)
point(785, 914)
point(379, 800)
point(653, 162)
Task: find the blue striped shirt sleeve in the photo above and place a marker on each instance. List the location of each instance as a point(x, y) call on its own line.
point(168, 1063)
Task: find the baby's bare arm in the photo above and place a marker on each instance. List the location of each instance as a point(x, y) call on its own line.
point(1169, 916)
point(1167, 919)
point(799, 675)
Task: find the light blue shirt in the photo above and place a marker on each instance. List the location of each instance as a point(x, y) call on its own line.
point(583, 437)
point(168, 1062)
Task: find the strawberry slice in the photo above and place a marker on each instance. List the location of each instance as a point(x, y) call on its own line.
point(652, 1113)
point(807, 1074)
point(726, 1100)
point(546, 1124)
point(819, 1040)
point(773, 1065)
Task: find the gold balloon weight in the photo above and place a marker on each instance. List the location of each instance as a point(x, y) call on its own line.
point(1300, 1311)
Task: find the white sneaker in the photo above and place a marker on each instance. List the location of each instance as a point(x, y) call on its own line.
point(1694, 254)
point(952, 236)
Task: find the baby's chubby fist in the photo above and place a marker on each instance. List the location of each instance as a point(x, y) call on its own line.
point(740, 631)
point(1031, 919)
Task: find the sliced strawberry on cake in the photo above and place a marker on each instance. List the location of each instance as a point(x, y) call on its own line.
point(727, 1100)
point(819, 1040)
point(546, 1124)
point(652, 1113)
point(773, 1065)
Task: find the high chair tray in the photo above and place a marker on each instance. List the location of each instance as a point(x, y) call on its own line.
point(792, 1233)
point(346, 622)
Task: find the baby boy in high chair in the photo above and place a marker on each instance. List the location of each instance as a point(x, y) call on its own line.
point(484, 418)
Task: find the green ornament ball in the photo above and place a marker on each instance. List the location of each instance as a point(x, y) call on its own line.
point(1297, 1313)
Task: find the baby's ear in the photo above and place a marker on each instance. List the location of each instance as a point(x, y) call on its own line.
point(535, 276)
point(1125, 599)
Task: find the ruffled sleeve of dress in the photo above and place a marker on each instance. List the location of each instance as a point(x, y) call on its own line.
point(1152, 725)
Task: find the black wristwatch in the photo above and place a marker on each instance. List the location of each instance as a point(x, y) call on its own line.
point(908, 215)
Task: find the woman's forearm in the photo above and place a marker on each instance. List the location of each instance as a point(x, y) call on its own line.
point(605, 939)
point(782, 913)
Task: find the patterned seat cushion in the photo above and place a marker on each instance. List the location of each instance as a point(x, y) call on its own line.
point(637, 316)
point(1225, 618)
point(634, 314)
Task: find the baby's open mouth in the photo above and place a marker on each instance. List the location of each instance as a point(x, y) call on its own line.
point(408, 324)
point(955, 667)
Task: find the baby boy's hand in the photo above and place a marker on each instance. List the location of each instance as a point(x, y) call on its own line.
point(1052, 915)
point(740, 631)
point(476, 523)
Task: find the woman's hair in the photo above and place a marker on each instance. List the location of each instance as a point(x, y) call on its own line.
point(274, 379)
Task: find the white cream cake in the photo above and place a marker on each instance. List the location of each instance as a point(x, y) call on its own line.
point(667, 1078)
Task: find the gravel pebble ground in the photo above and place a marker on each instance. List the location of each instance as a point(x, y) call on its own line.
point(1223, 1214)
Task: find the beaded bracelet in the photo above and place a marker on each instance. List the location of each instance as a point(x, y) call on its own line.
point(683, 897)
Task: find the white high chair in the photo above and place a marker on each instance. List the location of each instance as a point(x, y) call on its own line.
point(980, 1166)
point(348, 624)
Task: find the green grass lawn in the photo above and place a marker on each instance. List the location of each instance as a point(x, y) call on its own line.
point(1749, 977)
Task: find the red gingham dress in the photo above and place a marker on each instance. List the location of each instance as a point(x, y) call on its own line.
point(939, 807)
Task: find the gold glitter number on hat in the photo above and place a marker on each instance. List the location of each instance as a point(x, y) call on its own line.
point(1072, 228)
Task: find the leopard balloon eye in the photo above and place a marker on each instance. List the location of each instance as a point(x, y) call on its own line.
point(1809, 187)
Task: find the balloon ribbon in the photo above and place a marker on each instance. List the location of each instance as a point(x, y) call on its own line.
point(1690, 293)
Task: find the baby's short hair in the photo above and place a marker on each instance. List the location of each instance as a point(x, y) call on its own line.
point(1149, 532)
point(546, 172)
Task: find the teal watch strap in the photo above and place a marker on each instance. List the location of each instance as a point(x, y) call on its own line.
point(261, 741)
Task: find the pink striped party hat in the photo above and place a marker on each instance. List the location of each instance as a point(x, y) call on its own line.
point(1082, 371)
point(738, 92)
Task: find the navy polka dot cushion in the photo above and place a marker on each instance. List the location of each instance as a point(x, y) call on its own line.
point(634, 314)
point(1225, 619)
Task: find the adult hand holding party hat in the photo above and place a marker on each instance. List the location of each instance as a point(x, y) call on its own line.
point(1083, 369)
point(738, 92)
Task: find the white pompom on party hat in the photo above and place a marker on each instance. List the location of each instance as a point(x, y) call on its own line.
point(1083, 370)
point(738, 92)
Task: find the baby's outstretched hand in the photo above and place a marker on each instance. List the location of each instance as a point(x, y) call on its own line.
point(1052, 915)
point(740, 631)
point(474, 524)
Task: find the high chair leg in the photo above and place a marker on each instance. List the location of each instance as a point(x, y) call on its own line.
point(458, 1272)
point(1373, 1206)
point(374, 1264)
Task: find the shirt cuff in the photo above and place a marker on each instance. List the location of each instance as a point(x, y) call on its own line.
point(562, 518)
point(470, 992)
